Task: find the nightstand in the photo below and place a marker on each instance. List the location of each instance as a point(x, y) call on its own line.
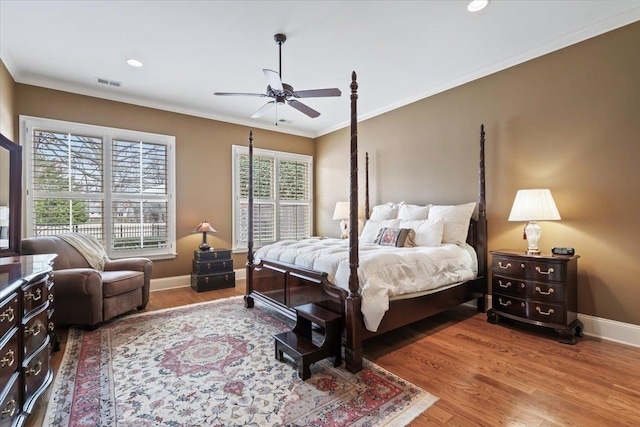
point(212, 269)
point(536, 289)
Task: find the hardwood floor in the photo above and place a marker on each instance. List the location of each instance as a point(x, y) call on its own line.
point(484, 374)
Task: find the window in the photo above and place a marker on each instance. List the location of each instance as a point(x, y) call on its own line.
point(116, 185)
point(282, 201)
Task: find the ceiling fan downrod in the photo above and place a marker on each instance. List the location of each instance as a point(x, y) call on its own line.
point(280, 39)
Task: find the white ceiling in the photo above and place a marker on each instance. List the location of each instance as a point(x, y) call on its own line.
point(403, 51)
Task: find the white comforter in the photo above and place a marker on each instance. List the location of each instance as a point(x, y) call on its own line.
point(383, 272)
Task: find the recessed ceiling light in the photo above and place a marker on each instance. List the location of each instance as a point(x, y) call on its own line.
point(134, 63)
point(477, 5)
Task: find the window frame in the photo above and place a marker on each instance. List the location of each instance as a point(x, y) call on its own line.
point(239, 150)
point(108, 134)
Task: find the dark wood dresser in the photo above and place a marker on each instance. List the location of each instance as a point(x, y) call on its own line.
point(26, 330)
point(212, 269)
point(536, 289)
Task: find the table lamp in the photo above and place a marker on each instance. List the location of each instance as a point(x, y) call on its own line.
point(205, 228)
point(531, 206)
point(341, 212)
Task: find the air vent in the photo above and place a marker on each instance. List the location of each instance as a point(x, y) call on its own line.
point(285, 121)
point(108, 82)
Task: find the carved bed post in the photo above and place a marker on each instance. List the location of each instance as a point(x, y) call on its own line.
point(353, 346)
point(248, 300)
point(366, 187)
point(481, 246)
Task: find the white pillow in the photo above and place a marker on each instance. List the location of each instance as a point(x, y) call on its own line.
point(456, 221)
point(372, 227)
point(387, 211)
point(428, 231)
point(411, 212)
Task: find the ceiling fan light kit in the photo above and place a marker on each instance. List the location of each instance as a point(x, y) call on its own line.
point(283, 93)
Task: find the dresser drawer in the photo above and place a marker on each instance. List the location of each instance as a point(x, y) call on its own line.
point(546, 292)
point(10, 402)
point(509, 305)
point(9, 357)
point(8, 314)
point(507, 286)
point(35, 370)
point(35, 331)
point(544, 271)
point(548, 313)
point(35, 295)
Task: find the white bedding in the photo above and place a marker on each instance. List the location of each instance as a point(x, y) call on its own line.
point(383, 272)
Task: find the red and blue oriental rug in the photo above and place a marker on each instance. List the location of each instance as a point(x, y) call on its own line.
point(213, 364)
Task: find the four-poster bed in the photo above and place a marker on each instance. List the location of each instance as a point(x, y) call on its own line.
point(284, 286)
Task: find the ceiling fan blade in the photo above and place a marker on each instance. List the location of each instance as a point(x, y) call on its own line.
point(274, 79)
point(317, 93)
point(304, 108)
point(239, 94)
point(266, 107)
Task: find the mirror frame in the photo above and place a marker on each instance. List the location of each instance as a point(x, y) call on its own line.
point(15, 196)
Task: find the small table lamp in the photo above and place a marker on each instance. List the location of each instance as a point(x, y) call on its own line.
point(341, 212)
point(205, 228)
point(531, 206)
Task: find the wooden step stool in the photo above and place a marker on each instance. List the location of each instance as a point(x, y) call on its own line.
point(297, 343)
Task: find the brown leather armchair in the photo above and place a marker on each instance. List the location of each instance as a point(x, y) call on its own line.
point(84, 296)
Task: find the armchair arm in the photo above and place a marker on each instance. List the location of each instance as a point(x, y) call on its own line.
point(135, 264)
point(78, 281)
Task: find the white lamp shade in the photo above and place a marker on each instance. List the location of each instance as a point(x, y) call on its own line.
point(534, 205)
point(341, 211)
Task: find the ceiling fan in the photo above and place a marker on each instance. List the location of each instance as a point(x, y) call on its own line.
point(283, 93)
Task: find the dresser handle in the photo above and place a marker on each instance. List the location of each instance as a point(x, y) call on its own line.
point(549, 292)
point(9, 358)
point(546, 313)
point(7, 315)
point(35, 370)
point(506, 285)
point(52, 326)
point(505, 304)
point(34, 330)
point(522, 265)
point(36, 296)
point(208, 266)
point(504, 267)
point(10, 412)
point(206, 279)
point(549, 271)
point(50, 297)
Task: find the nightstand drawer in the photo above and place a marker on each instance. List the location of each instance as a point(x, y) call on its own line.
point(510, 305)
point(546, 292)
point(507, 286)
point(548, 313)
point(544, 271)
point(508, 267)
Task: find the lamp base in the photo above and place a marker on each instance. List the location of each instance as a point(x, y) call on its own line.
point(344, 229)
point(533, 252)
point(205, 247)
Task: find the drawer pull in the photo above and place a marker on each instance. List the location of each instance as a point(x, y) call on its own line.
point(545, 313)
point(10, 411)
point(9, 358)
point(50, 297)
point(504, 267)
point(549, 271)
point(51, 326)
point(34, 296)
point(208, 266)
point(506, 285)
point(504, 304)
point(522, 265)
point(34, 330)
point(35, 370)
point(7, 315)
point(549, 292)
point(206, 279)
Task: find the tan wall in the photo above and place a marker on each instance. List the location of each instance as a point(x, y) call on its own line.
point(567, 121)
point(203, 159)
point(7, 102)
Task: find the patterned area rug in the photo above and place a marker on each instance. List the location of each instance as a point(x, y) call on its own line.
point(213, 364)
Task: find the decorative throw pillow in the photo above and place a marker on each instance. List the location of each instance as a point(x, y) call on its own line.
point(397, 237)
point(456, 221)
point(413, 212)
point(428, 231)
point(372, 227)
point(387, 211)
